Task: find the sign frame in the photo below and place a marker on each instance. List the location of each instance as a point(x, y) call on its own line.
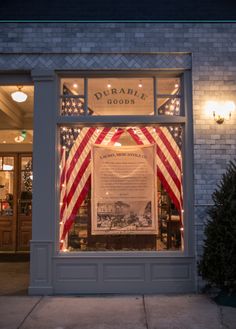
point(147, 224)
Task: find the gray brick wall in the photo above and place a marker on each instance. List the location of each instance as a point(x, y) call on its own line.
point(146, 45)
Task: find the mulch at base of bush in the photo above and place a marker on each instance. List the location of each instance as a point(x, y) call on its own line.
point(225, 299)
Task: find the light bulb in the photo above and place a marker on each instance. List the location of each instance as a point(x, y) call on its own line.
point(229, 106)
point(19, 139)
point(7, 167)
point(19, 96)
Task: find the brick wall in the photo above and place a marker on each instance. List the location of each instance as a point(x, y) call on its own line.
point(147, 45)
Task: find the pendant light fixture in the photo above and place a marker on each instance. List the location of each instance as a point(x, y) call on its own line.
point(21, 137)
point(19, 96)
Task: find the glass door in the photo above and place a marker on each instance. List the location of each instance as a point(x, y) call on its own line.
point(15, 202)
point(24, 218)
point(8, 202)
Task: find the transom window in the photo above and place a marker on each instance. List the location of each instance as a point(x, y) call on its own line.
point(120, 96)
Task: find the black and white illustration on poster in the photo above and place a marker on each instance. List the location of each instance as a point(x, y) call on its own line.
point(123, 190)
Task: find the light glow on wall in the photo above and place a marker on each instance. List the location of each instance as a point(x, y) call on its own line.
point(220, 111)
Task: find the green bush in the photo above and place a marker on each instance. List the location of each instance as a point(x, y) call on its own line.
point(218, 263)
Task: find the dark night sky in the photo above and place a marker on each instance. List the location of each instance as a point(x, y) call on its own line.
point(117, 10)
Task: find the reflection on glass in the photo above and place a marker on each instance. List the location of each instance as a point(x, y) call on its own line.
point(168, 86)
point(1, 162)
point(26, 186)
point(6, 193)
point(168, 236)
point(168, 106)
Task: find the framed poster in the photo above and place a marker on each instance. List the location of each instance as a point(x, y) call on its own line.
point(123, 190)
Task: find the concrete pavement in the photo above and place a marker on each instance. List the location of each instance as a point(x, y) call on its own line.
point(19, 311)
point(115, 312)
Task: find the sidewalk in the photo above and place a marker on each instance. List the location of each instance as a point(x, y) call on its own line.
point(19, 311)
point(115, 312)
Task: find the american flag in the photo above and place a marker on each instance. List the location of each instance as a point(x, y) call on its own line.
point(168, 159)
point(75, 166)
point(75, 170)
point(73, 105)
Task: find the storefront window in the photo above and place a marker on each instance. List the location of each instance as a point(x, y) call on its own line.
point(168, 86)
point(120, 96)
point(72, 97)
point(121, 188)
point(168, 96)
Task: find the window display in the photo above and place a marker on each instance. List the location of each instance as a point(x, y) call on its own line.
point(120, 223)
point(72, 97)
point(123, 189)
point(168, 96)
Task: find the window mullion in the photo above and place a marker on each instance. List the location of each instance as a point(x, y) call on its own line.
point(182, 93)
point(155, 95)
point(86, 96)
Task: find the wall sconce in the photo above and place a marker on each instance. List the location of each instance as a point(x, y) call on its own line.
point(220, 110)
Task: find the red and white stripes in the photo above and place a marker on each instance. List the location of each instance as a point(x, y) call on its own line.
point(75, 172)
point(168, 159)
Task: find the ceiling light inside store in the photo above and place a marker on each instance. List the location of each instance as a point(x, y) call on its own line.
point(19, 139)
point(19, 96)
point(7, 167)
point(140, 85)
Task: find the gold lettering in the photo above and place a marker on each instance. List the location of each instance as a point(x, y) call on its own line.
point(106, 92)
point(98, 95)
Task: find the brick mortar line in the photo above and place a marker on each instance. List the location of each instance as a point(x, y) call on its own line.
point(174, 53)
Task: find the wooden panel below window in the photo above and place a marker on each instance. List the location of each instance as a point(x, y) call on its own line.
point(6, 235)
point(24, 234)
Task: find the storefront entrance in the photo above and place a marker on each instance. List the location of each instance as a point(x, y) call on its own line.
point(16, 178)
point(110, 213)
